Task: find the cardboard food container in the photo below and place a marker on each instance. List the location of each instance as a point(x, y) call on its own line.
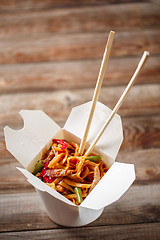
point(32, 141)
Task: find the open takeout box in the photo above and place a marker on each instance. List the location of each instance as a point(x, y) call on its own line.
point(32, 141)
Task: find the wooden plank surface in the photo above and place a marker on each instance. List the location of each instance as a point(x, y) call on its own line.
point(141, 206)
point(88, 19)
point(139, 133)
point(10, 5)
point(75, 74)
point(53, 47)
point(50, 54)
point(146, 164)
point(142, 231)
point(142, 100)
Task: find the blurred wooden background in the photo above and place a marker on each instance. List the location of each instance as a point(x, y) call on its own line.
point(50, 55)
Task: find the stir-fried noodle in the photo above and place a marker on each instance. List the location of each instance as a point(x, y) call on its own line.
point(68, 173)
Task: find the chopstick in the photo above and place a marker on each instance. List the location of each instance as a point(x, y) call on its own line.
point(97, 89)
point(120, 101)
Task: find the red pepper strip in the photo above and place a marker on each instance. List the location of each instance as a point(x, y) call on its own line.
point(46, 179)
point(61, 142)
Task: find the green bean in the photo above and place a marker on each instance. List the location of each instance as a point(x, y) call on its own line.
point(38, 167)
point(94, 158)
point(78, 192)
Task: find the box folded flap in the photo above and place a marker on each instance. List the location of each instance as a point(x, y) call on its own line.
point(33, 139)
point(110, 141)
point(26, 143)
point(111, 187)
point(20, 146)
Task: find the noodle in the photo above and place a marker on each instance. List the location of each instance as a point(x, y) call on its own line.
point(71, 175)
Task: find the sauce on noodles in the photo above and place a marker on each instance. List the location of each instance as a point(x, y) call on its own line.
point(71, 175)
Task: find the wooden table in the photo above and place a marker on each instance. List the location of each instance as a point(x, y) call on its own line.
point(50, 54)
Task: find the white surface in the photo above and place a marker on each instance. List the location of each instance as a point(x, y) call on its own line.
point(112, 138)
point(111, 187)
point(67, 215)
point(26, 143)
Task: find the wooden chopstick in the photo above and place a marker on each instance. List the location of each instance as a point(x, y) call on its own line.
point(120, 101)
point(97, 89)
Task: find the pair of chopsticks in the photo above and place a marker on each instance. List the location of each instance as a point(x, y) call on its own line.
point(97, 91)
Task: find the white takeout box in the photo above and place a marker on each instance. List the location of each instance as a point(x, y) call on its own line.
point(31, 142)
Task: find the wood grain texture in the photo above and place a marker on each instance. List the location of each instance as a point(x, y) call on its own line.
point(146, 163)
point(142, 100)
point(50, 55)
point(139, 132)
point(97, 18)
point(15, 5)
point(53, 47)
point(137, 231)
point(24, 211)
point(74, 74)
